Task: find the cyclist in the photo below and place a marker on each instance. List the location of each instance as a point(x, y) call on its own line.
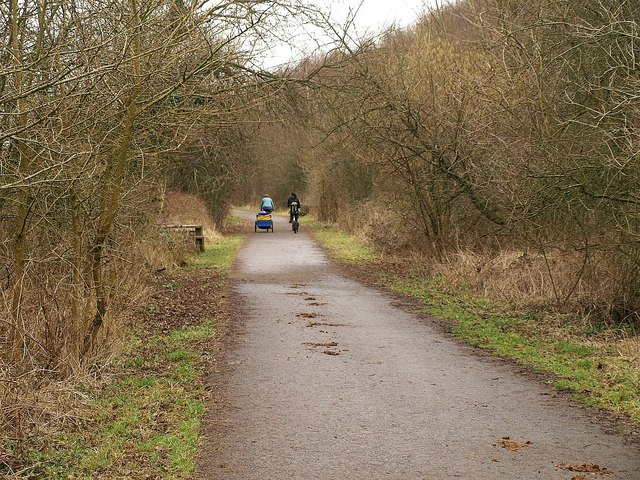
point(294, 207)
point(267, 205)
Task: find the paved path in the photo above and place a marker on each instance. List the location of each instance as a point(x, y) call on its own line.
point(325, 378)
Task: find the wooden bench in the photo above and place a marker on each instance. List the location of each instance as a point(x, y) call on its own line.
point(196, 231)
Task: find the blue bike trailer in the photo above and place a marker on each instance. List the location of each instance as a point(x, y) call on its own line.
point(264, 221)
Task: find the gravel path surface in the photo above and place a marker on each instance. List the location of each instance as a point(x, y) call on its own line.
point(325, 378)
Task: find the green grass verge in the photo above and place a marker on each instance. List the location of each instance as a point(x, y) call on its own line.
point(237, 221)
point(593, 371)
point(598, 377)
point(219, 255)
point(341, 246)
point(145, 420)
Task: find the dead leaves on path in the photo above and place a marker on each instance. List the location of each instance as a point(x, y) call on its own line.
point(591, 468)
point(326, 345)
point(511, 445)
point(330, 352)
point(326, 324)
point(321, 344)
point(585, 468)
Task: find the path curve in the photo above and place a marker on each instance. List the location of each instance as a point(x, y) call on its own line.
point(326, 378)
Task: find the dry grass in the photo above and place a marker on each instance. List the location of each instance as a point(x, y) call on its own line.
point(43, 394)
point(570, 293)
point(186, 209)
point(373, 223)
point(626, 349)
point(629, 349)
point(179, 207)
point(34, 409)
point(555, 279)
point(166, 249)
point(584, 298)
point(590, 284)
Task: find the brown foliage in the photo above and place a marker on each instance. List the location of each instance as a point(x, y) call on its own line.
point(489, 127)
point(103, 106)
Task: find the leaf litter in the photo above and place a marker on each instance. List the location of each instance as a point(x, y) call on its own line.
point(511, 445)
point(585, 468)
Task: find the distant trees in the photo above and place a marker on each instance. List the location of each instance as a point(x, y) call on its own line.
point(102, 105)
point(488, 126)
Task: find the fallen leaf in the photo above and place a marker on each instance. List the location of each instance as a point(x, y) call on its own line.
point(321, 344)
point(585, 467)
point(331, 352)
point(511, 445)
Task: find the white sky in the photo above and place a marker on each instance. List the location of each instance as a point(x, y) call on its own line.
point(370, 17)
point(376, 15)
